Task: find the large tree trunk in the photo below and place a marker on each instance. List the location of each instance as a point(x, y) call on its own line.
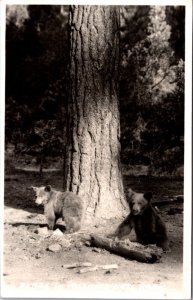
point(93, 148)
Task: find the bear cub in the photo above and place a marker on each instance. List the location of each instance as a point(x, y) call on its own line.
point(65, 205)
point(143, 218)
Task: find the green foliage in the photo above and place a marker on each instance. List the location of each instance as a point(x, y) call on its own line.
point(17, 122)
point(175, 16)
point(151, 59)
point(36, 75)
point(151, 82)
point(49, 136)
point(156, 89)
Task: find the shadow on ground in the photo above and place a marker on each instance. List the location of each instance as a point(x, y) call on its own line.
point(18, 194)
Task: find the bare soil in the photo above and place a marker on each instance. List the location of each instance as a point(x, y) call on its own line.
point(30, 269)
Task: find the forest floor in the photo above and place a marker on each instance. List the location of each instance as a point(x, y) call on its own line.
point(30, 269)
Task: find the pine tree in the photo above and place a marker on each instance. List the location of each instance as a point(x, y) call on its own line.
point(157, 87)
point(152, 56)
point(93, 148)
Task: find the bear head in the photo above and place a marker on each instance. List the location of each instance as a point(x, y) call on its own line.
point(138, 202)
point(42, 194)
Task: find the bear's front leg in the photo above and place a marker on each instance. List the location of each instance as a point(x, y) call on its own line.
point(50, 215)
point(51, 222)
point(123, 229)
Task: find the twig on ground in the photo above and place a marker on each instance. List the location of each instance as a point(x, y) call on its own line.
point(77, 265)
point(98, 267)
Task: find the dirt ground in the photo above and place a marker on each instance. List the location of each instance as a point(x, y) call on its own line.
point(31, 269)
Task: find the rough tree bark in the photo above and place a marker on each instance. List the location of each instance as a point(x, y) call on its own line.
point(93, 147)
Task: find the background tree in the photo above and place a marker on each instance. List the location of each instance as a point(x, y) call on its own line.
point(93, 168)
point(151, 82)
point(36, 78)
point(154, 92)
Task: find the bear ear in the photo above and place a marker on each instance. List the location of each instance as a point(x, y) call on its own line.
point(33, 188)
point(130, 192)
point(147, 196)
point(48, 188)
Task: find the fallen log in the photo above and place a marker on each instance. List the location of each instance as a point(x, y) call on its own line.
point(140, 253)
point(173, 211)
point(177, 199)
point(11, 178)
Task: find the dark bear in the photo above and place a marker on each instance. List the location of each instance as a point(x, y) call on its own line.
point(143, 218)
point(65, 205)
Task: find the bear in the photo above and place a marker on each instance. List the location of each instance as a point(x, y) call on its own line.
point(143, 218)
point(65, 205)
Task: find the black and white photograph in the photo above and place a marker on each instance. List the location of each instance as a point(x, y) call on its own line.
point(96, 126)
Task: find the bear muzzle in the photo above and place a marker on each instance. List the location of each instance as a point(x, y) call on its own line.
point(136, 212)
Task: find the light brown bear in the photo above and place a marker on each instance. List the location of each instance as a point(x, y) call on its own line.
point(65, 205)
point(143, 218)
